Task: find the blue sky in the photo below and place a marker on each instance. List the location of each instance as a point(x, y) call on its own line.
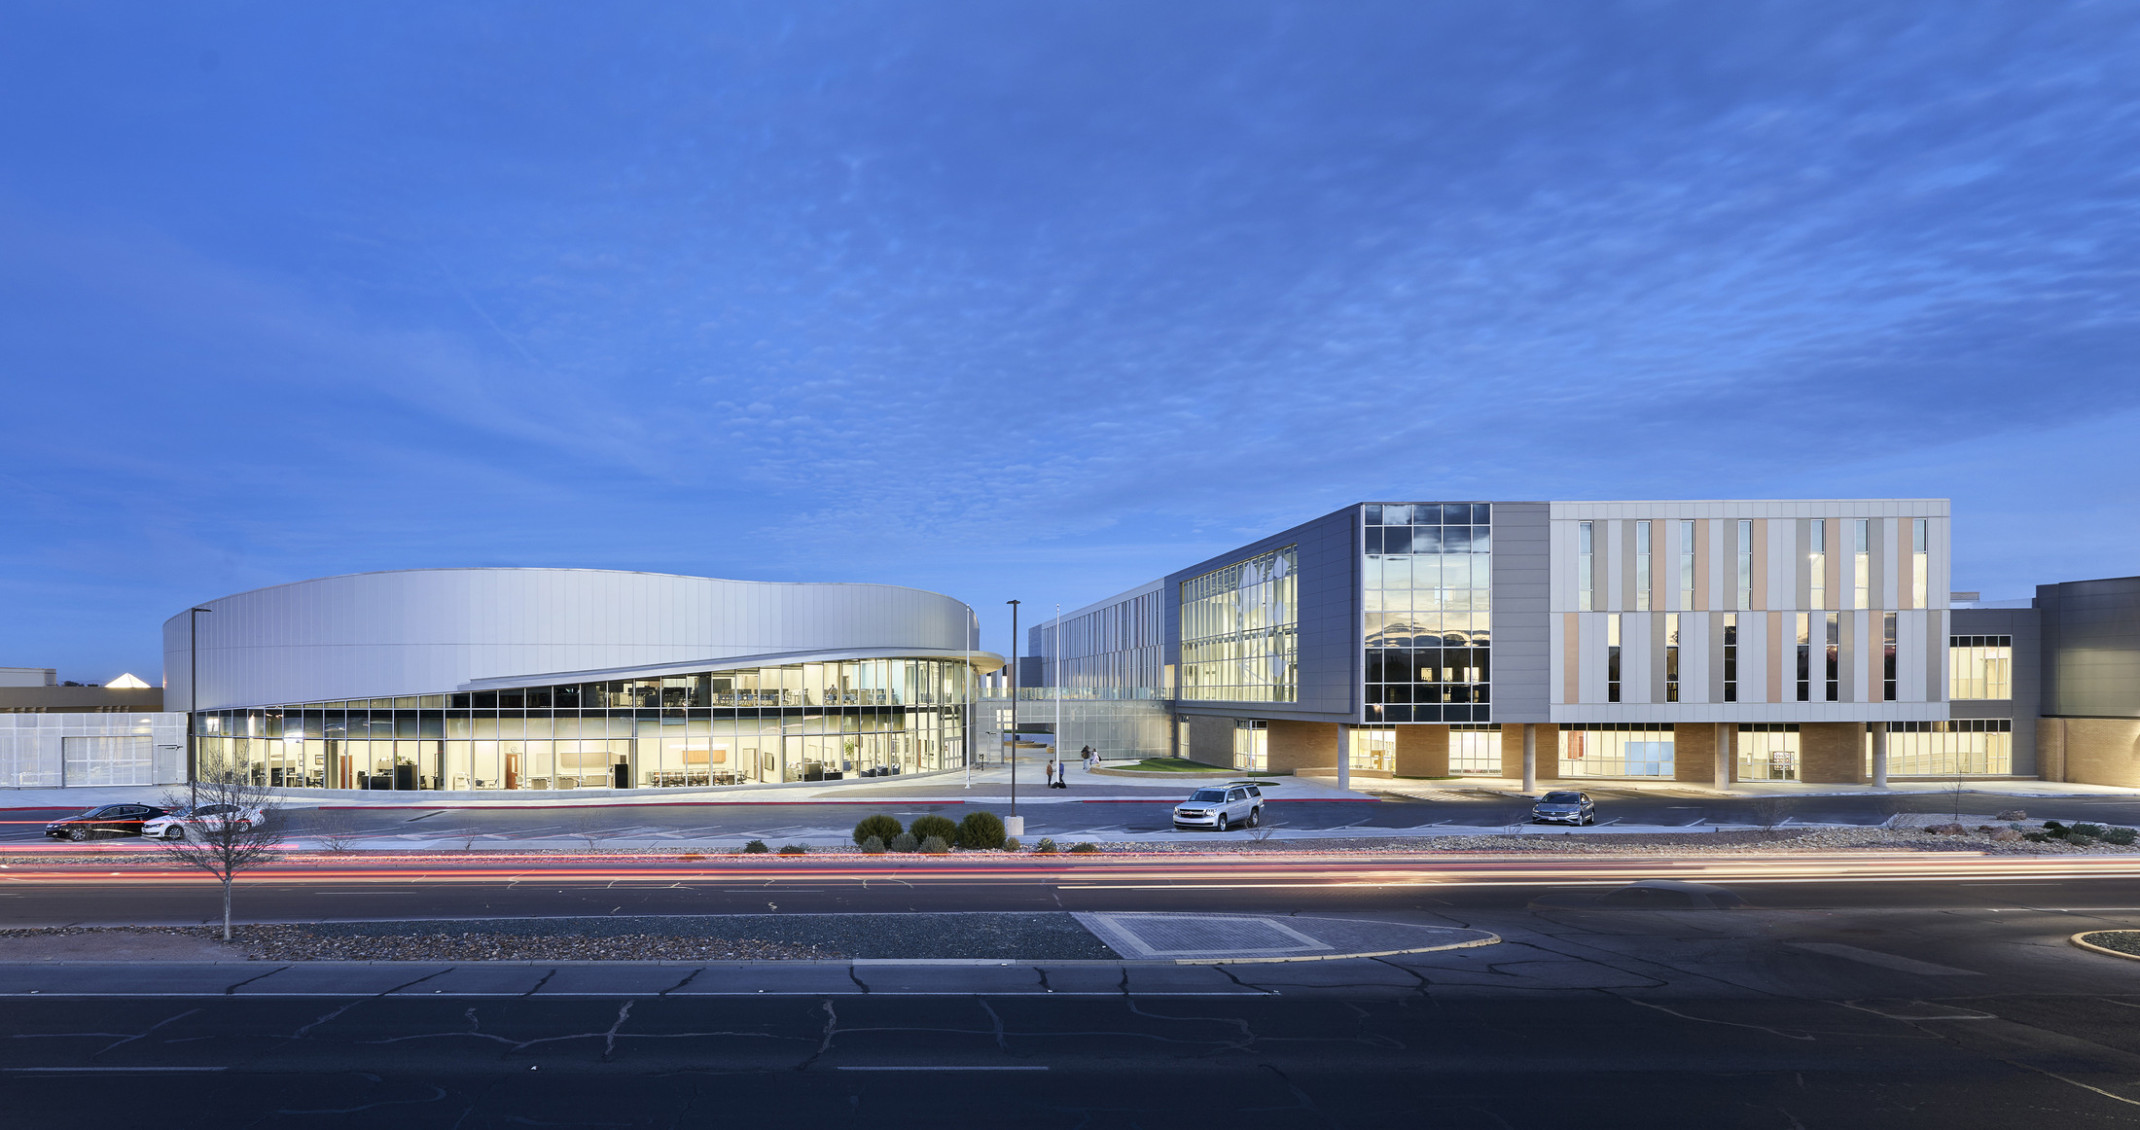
point(1005, 299)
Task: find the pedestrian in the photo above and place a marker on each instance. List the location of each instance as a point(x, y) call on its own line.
point(1048, 771)
point(1089, 758)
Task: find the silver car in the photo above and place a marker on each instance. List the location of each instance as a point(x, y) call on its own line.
point(1220, 808)
point(208, 817)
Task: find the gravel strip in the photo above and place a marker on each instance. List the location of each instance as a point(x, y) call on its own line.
point(1041, 936)
point(2123, 941)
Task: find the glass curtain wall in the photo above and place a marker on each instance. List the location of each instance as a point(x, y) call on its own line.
point(1426, 588)
point(1768, 751)
point(1475, 750)
point(1960, 748)
point(801, 722)
point(1239, 631)
point(1980, 667)
point(1371, 748)
point(1615, 750)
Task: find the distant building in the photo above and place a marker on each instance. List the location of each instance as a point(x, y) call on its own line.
point(54, 735)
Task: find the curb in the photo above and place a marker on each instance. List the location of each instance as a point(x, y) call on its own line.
point(2080, 940)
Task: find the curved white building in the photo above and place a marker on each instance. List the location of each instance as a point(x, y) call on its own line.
point(540, 679)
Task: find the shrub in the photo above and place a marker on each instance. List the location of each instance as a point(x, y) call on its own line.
point(981, 831)
point(1010, 843)
point(879, 825)
point(1083, 849)
point(873, 846)
point(935, 845)
point(2095, 830)
point(905, 841)
point(755, 847)
point(2053, 827)
point(2036, 837)
point(1046, 846)
point(794, 849)
point(2077, 839)
point(933, 825)
point(2123, 837)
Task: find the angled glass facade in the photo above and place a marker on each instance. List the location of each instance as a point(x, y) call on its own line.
point(1240, 631)
point(1426, 591)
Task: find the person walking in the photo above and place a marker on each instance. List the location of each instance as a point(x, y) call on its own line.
point(1086, 755)
point(1048, 770)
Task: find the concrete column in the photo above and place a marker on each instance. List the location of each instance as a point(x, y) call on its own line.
point(1530, 759)
point(1879, 735)
point(1725, 755)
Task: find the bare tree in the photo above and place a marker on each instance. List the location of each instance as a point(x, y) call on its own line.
point(228, 830)
point(335, 831)
point(1767, 812)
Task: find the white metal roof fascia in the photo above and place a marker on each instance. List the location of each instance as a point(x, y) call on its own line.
point(983, 661)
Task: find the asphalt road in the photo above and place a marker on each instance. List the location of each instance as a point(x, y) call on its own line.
point(1937, 1003)
point(1102, 819)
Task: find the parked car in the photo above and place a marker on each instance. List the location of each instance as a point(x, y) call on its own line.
point(107, 820)
point(1221, 808)
point(211, 817)
point(1564, 808)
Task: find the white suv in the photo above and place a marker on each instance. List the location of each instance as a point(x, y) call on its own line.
point(208, 817)
point(1221, 807)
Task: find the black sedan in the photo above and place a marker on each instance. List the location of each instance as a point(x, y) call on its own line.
point(1564, 808)
point(108, 820)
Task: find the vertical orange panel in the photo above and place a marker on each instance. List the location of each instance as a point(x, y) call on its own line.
point(1775, 657)
point(1571, 657)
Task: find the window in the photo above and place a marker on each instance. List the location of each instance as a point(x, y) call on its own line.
point(1861, 562)
point(1962, 747)
point(1642, 566)
point(1475, 750)
point(1887, 657)
point(1805, 658)
point(1835, 657)
point(1612, 657)
point(1731, 657)
point(1768, 751)
point(1980, 667)
point(1427, 590)
point(1817, 565)
point(1372, 748)
point(1671, 657)
point(1746, 564)
point(1919, 564)
point(1251, 745)
point(1615, 750)
point(1686, 563)
point(1583, 565)
point(1239, 639)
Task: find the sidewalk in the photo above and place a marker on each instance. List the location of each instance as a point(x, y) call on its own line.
point(1509, 786)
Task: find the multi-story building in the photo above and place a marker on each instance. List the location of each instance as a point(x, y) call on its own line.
point(1698, 641)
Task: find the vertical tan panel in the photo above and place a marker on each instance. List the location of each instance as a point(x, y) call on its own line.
point(1875, 659)
point(1571, 657)
point(1760, 571)
point(1775, 657)
point(1701, 564)
point(1837, 554)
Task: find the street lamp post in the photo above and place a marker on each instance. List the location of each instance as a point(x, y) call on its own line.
point(1010, 734)
point(973, 630)
point(193, 704)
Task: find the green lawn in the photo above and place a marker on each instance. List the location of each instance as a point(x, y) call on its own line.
point(1171, 765)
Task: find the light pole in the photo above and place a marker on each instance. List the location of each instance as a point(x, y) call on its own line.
point(193, 704)
point(1055, 653)
point(973, 630)
point(1009, 734)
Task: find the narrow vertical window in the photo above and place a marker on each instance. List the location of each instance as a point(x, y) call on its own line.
point(1731, 657)
point(1746, 563)
point(1671, 657)
point(1583, 559)
point(1919, 564)
point(1817, 565)
point(1686, 563)
point(1887, 657)
point(1861, 564)
point(1805, 658)
point(1835, 657)
point(1612, 657)
point(1642, 566)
